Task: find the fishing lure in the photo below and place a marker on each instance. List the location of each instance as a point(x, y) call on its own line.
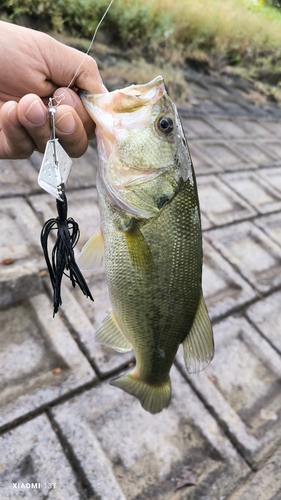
point(53, 175)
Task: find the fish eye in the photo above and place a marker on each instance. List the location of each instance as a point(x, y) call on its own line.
point(165, 125)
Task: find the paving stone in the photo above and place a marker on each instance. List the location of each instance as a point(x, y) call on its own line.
point(249, 185)
point(31, 460)
point(226, 81)
point(242, 87)
point(220, 153)
point(202, 164)
point(224, 289)
point(219, 203)
point(219, 89)
point(252, 151)
point(273, 126)
point(244, 93)
point(273, 111)
point(255, 111)
point(242, 387)
point(20, 232)
point(210, 107)
point(18, 283)
point(264, 484)
point(39, 360)
point(21, 255)
point(227, 126)
point(270, 224)
point(17, 177)
point(272, 176)
point(273, 147)
point(254, 127)
point(257, 105)
point(251, 252)
point(266, 316)
point(197, 88)
point(122, 447)
point(189, 134)
point(191, 107)
point(83, 171)
point(205, 223)
point(199, 126)
point(233, 108)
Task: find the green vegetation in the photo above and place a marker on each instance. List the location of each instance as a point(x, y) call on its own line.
point(243, 34)
point(221, 26)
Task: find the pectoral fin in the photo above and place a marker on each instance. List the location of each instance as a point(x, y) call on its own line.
point(198, 346)
point(109, 333)
point(92, 253)
point(139, 252)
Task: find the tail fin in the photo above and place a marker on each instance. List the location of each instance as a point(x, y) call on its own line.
point(153, 398)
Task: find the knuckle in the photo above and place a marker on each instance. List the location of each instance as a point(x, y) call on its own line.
point(92, 62)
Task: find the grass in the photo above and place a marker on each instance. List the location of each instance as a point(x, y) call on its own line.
point(243, 34)
point(218, 26)
point(230, 26)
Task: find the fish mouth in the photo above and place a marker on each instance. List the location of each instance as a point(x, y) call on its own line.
point(83, 95)
point(121, 101)
point(141, 90)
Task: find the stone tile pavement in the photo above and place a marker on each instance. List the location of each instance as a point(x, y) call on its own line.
point(65, 433)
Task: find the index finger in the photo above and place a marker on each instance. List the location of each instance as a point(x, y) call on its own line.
point(72, 99)
point(73, 68)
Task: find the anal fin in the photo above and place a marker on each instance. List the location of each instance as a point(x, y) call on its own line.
point(198, 346)
point(109, 333)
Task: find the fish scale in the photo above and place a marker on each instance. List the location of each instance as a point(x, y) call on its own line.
point(151, 231)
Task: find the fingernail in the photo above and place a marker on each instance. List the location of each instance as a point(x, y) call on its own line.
point(67, 95)
point(35, 114)
point(66, 124)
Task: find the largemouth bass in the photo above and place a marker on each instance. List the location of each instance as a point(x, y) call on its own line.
point(151, 232)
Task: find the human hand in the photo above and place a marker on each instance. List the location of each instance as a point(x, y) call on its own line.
point(33, 68)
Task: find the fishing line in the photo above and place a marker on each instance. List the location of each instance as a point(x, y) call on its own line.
point(54, 172)
point(60, 98)
point(92, 41)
